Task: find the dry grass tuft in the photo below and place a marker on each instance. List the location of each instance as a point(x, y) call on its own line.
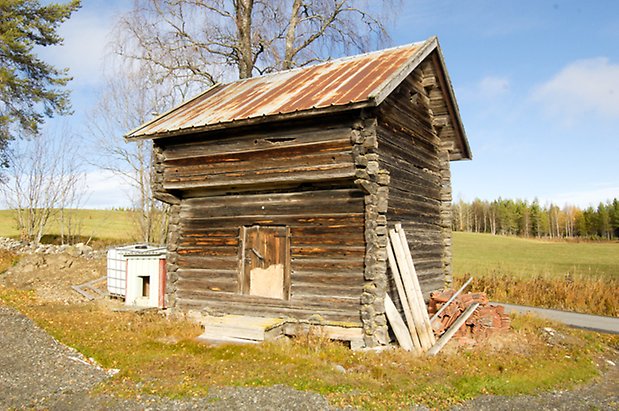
point(594, 295)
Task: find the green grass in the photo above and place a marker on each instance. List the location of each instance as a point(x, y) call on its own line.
point(483, 254)
point(106, 226)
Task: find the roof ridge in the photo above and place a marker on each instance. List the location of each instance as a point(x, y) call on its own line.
point(329, 61)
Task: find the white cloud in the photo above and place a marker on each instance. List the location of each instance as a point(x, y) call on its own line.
point(493, 86)
point(86, 35)
point(105, 189)
point(583, 87)
point(489, 87)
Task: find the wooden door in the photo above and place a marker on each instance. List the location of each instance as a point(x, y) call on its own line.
point(265, 271)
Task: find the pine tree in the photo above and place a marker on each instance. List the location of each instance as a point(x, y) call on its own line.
point(604, 227)
point(30, 89)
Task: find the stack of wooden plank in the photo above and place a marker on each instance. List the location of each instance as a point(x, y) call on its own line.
point(414, 332)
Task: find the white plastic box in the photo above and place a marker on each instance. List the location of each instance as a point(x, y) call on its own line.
point(137, 273)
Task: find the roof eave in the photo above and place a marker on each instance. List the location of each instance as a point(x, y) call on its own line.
point(452, 105)
point(253, 121)
point(134, 134)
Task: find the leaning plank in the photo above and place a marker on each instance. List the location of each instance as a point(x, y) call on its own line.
point(453, 329)
point(453, 297)
point(417, 288)
point(408, 315)
point(398, 249)
point(397, 325)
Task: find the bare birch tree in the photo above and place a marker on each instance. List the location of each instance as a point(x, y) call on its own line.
point(43, 177)
point(200, 42)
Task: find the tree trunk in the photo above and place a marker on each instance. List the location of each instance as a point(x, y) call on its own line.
point(243, 10)
point(291, 35)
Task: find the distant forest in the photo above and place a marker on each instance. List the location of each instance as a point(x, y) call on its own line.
point(530, 219)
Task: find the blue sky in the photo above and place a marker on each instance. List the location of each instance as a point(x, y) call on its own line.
point(537, 83)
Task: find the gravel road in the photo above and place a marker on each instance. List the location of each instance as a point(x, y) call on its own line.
point(37, 372)
point(597, 323)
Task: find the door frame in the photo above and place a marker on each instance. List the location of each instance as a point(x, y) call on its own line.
point(243, 280)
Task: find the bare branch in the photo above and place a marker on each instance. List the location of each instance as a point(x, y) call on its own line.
point(197, 42)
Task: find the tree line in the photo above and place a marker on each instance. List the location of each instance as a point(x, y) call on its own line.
point(532, 219)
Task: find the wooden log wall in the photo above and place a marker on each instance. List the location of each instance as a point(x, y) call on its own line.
point(336, 185)
point(302, 178)
point(444, 128)
point(446, 215)
point(326, 253)
point(410, 150)
point(260, 160)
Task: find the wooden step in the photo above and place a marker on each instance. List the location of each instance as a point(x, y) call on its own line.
point(240, 327)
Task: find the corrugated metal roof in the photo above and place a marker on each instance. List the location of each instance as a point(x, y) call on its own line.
point(362, 80)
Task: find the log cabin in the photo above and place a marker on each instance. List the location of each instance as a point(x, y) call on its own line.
point(282, 188)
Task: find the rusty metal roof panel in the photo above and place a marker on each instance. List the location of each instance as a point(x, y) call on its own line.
point(336, 83)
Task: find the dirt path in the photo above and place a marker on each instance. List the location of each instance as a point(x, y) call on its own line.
point(37, 372)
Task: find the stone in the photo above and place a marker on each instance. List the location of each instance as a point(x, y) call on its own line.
point(381, 320)
point(367, 313)
point(372, 167)
point(28, 268)
point(361, 173)
point(382, 335)
point(73, 251)
point(370, 341)
point(367, 298)
point(356, 137)
point(83, 248)
point(370, 141)
point(383, 178)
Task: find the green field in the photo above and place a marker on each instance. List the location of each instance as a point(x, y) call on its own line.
point(482, 254)
point(104, 226)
